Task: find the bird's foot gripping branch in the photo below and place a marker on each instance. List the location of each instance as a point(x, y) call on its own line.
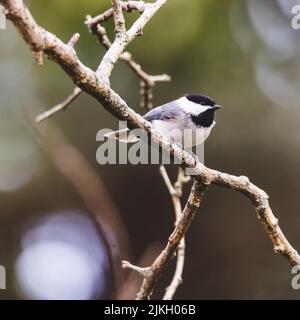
point(97, 84)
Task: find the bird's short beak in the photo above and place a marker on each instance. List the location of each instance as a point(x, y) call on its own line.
point(216, 107)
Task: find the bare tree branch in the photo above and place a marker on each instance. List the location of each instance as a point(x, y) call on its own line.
point(133, 282)
point(149, 273)
point(153, 273)
point(176, 193)
point(112, 55)
point(128, 6)
point(118, 17)
point(147, 81)
point(97, 85)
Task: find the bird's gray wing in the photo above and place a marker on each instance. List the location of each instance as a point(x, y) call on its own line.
point(167, 111)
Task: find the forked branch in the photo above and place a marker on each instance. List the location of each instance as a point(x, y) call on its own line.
point(154, 272)
point(176, 193)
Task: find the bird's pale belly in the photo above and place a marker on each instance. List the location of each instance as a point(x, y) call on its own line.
point(187, 137)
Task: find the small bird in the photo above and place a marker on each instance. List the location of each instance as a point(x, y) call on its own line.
point(192, 113)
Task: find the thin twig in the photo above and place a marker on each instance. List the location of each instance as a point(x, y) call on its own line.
point(118, 17)
point(142, 271)
point(73, 41)
point(128, 6)
point(38, 56)
point(176, 193)
point(166, 178)
point(61, 106)
point(132, 282)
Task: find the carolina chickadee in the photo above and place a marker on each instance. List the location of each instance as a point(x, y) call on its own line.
point(193, 111)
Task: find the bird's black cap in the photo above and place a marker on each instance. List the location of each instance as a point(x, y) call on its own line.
point(201, 99)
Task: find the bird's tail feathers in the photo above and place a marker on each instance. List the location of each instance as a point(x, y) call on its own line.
point(124, 135)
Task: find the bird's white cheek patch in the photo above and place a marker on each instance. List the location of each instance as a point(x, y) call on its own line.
point(191, 107)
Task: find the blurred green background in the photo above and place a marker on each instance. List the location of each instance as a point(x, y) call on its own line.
point(245, 55)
